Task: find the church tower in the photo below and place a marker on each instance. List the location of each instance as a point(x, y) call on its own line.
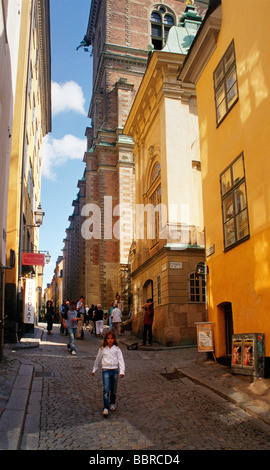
point(121, 33)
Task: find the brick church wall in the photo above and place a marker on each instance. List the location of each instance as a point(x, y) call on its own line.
point(119, 35)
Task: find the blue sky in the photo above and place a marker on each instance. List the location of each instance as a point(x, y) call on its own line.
point(64, 147)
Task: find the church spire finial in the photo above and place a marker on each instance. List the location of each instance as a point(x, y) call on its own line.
point(190, 16)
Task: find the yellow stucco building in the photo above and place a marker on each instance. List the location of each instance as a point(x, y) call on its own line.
point(229, 63)
point(169, 229)
point(31, 122)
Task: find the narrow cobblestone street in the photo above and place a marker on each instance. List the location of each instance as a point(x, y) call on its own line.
point(153, 413)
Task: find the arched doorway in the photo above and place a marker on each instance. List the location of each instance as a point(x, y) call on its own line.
point(226, 326)
point(148, 290)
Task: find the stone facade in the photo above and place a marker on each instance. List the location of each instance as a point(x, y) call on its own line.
point(31, 123)
point(166, 278)
point(237, 234)
point(119, 33)
point(74, 249)
point(169, 242)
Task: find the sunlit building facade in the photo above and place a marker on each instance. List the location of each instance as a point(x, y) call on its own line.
point(31, 122)
point(233, 107)
point(120, 36)
point(169, 237)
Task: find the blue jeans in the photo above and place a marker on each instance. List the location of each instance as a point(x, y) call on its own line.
point(110, 378)
point(71, 334)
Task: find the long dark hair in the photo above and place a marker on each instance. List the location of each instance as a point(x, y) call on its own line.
point(112, 334)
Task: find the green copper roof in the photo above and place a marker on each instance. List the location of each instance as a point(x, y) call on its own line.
point(181, 37)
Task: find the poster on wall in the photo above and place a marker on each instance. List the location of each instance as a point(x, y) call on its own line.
point(29, 301)
point(248, 353)
point(205, 337)
point(237, 352)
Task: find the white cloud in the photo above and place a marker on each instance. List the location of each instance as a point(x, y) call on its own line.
point(66, 97)
point(57, 152)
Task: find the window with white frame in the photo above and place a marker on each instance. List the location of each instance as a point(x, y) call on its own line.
point(197, 288)
point(154, 198)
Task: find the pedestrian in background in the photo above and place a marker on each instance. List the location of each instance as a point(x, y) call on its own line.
point(148, 321)
point(117, 319)
point(111, 359)
point(81, 314)
point(71, 325)
point(119, 302)
point(99, 323)
point(94, 319)
point(91, 313)
point(63, 311)
point(110, 316)
point(86, 318)
point(67, 309)
point(49, 316)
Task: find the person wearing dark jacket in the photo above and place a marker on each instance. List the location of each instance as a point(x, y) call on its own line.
point(63, 310)
point(49, 317)
point(148, 321)
point(99, 321)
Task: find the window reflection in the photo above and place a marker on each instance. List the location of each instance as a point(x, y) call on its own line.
point(234, 203)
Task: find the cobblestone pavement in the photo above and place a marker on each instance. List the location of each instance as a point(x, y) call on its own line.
point(154, 410)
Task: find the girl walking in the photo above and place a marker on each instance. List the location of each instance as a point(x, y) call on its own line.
point(112, 362)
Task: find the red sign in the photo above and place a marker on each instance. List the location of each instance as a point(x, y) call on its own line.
point(33, 259)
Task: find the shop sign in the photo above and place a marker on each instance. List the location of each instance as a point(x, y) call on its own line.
point(33, 259)
point(29, 301)
point(176, 265)
point(205, 338)
point(210, 250)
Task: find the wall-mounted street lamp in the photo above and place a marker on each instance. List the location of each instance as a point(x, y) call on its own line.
point(39, 215)
point(201, 269)
point(47, 258)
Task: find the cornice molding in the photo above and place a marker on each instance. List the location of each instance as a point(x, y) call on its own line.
point(160, 81)
point(202, 49)
point(112, 56)
point(44, 44)
point(94, 12)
